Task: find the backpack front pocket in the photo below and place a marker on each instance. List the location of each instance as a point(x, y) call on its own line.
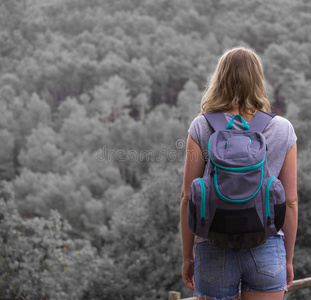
point(236, 187)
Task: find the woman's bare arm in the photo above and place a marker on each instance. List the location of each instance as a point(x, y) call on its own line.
point(194, 168)
point(288, 177)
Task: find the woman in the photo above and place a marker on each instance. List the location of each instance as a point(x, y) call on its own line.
point(237, 87)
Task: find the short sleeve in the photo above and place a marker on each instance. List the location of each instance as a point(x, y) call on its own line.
point(282, 132)
point(194, 130)
point(201, 131)
point(280, 136)
point(292, 138)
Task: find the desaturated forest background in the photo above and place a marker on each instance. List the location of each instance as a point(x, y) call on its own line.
point(96, 99)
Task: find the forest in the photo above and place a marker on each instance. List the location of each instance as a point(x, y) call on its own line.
point(96, 100)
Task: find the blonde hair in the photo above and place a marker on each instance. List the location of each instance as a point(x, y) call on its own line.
point(237, 83)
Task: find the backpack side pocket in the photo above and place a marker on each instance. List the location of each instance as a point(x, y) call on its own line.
point(277, 203)
point(279, 211)
point(192, 216)
point(196, 214)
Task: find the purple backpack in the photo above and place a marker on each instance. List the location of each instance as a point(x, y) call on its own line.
point(236, 204)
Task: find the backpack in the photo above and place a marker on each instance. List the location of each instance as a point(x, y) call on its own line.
point(237, 204)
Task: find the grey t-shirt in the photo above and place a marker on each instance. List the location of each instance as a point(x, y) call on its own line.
point(279, 134)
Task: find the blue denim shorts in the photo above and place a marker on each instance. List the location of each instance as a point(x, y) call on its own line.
point(220, 273)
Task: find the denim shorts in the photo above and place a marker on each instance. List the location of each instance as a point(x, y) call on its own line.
point(220, 273)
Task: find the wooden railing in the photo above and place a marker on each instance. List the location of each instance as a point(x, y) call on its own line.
point(297, 284)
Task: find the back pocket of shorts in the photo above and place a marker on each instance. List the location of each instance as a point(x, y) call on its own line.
point(267, 258)
point(211, 262)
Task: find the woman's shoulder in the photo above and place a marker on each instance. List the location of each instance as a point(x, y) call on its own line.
point(281, 131)
point(199, 125)
point(200, 130)
point(279, 123)
point(198, 121)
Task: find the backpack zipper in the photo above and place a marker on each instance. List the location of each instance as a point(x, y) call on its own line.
point(203, 196)
point(221, 196)
point(268, 213)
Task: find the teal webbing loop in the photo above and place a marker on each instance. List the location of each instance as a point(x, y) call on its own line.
point(268, 213)
point(230, 124)
point(221, 196)
point(203, 196)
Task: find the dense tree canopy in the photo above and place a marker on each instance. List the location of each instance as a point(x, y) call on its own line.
point(96, 99)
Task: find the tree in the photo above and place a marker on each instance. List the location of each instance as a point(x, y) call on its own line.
point(40, 153)
point(110, 99)
point(36, 111)
point(189, 102)
point(7, 167)
point(38, 259)
point(78, 132)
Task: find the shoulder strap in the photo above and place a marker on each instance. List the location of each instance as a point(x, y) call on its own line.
point(217, 120)
point(260, 121)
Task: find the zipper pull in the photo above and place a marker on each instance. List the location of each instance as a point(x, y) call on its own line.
point(269, 220)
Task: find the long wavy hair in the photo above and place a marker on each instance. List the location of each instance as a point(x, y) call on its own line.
point(237, 83)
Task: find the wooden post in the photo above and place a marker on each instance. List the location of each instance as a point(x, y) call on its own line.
point(173, 295)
